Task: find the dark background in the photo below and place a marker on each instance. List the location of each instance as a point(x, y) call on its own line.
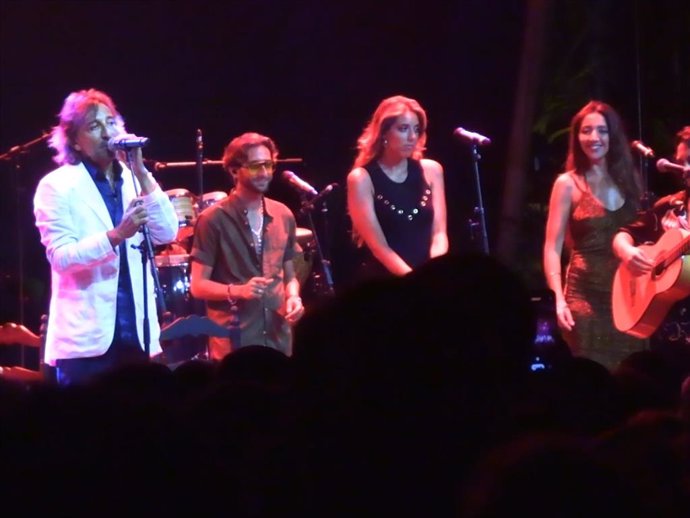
point(310, 73)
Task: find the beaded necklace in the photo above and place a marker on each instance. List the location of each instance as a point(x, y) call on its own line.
point(257, 234)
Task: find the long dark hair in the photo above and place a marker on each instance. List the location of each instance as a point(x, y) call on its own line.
point(619, 159)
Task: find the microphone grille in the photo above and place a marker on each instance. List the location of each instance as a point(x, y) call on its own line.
point(666, 166)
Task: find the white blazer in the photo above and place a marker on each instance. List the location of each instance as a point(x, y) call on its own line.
point(73, 219)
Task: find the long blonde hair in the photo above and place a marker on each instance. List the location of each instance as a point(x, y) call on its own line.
point(370, 142)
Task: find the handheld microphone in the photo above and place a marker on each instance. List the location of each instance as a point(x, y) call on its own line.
point(298, 183)
point(471, 136)
point(126, 142)
point(645, 151)
point(666, 166)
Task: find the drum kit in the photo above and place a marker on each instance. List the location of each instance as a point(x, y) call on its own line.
point(173, 262)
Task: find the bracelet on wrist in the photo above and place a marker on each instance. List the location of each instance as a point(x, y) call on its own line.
point(231, 299)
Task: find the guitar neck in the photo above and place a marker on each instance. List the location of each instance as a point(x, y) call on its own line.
point(676, 252)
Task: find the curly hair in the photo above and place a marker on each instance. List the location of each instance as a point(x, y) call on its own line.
point(618, 159)
point(370, 142)
point(74, 112)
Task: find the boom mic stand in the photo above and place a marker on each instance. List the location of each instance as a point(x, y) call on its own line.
point(200, 163)
point(146, 249)
point(307, 206)
point(14, 154)
point(161, 166)
point(480, 223)
point(646, 198)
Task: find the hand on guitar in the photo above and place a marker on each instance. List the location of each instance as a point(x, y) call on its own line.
point(564, 316)
point(635, 260)
point(649, 280)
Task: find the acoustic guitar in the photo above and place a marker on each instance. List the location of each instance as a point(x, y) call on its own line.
point(641, 302)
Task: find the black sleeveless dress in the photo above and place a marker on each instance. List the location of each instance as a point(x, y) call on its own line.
point(405, 213)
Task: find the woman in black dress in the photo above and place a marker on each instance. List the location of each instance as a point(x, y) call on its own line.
point(396, 198)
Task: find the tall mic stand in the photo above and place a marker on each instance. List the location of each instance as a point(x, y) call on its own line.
point(478, 225)
point(146, 249)
point(646, 197)
point(306, 208)
point(200, 165)
point(14, 155)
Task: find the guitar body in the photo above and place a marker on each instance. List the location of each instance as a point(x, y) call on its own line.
point(641, 302)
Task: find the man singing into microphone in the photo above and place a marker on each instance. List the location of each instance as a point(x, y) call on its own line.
point(672, 338)
point(89, 212)
point(243, 250)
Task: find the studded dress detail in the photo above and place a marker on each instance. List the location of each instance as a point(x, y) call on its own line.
point(589, 280)
point(405, 213)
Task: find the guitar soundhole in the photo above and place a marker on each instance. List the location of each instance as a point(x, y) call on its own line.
point(658, 271)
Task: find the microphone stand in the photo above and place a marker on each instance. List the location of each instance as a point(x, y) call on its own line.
point(479, 209)
point(646, 197)
point(14, 154)
point(306, 208)
point(146, 249)
point(161, 166)
point(200, 164)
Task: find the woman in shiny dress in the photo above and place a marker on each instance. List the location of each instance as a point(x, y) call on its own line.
point(597, 194)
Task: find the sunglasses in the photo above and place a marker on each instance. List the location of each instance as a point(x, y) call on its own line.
point(255, 167)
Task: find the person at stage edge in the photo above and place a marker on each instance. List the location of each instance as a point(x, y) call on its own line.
point(598, 193)
point(89, 213)
point(672, 338)
point(396, 198)
point(243, 251)
point(682, 155)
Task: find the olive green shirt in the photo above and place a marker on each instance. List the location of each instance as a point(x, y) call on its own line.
point(223, 241)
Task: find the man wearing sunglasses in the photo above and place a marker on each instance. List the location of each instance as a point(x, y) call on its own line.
point(242, 255)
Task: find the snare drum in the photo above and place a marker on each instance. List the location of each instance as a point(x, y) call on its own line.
point(183, 202)
point(210, 198)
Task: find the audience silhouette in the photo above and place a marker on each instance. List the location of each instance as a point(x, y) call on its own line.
point(410, 395)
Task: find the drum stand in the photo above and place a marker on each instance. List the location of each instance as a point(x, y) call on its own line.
point(147, 255)
point(324, 280)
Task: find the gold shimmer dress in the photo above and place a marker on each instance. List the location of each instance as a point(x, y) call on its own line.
point(589, 278)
